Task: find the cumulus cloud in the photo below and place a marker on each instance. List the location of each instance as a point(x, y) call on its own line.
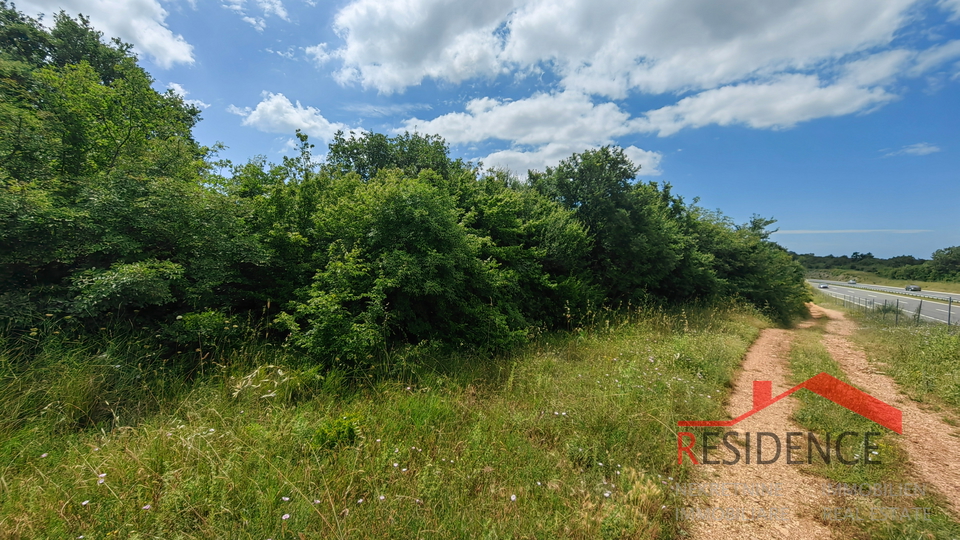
point(764, 64)
point(919, 149)
point(537, 120)
point(520, 161)
point(390, 45)
point(140, 22)
point(605, 47)
point(779, 104)
point(180, 91)
point(277, 114)
point(542, 129)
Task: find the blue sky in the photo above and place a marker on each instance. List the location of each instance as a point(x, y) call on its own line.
point(841, 120)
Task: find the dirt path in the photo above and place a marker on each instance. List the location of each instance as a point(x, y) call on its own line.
point(934, 453)
point(801, 496)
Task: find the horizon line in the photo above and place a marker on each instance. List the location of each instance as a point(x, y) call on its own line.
point(848, 231)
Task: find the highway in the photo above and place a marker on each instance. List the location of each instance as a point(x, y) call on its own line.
point(944, 296)
point(930, 311)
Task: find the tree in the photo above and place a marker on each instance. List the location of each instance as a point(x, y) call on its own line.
point(946, 261)
point(636, 241)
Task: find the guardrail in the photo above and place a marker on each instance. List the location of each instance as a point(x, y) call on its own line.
point(870, 305)
point(884, 290)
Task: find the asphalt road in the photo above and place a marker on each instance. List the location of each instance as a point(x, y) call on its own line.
point(899, 290)
point(931, 311)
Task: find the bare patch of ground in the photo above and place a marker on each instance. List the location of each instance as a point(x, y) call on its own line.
point(802, 496)
point(934, 454)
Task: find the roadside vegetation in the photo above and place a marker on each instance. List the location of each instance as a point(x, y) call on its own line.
point(571, 437)
point(922, 358)
point(941, 272)
point(809, 357)
point(388, 340)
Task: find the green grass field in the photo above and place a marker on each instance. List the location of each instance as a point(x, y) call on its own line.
point(573, 437)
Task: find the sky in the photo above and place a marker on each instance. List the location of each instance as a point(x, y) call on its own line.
point(839, 119)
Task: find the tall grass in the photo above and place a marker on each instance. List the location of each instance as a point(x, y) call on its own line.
point(573, 437)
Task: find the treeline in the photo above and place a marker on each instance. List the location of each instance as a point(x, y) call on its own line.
point(944, 265)
point(109, 206)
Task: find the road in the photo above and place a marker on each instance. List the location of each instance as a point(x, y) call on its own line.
point(931, 311)
point(944, 296)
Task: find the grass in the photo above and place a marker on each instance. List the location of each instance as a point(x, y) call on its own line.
point(922, 359)
point(809, 357)
point(573, 437)
point(869, 278)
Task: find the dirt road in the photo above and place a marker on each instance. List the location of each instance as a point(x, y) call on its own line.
point(796, 498)
point(933, 453)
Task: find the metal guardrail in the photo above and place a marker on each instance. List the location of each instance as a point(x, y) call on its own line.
point(875, 288)
point(870, 305)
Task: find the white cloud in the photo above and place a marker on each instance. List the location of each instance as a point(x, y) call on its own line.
point(288, 54)
point(390, 45)
point(778, 104)
point(549, 155)
point(393, 109)
point(319, 53)
point(140, 22)
point(268, 7)
point(765, 64)
point(180, 91)
point(919, 149)
point(952, 6)
point(273, 7)
point(880, 68)
point(605, 47)
point(935, 56)
point(257, 23)
point(542, 129)
point(276, 114)
point(540, 119)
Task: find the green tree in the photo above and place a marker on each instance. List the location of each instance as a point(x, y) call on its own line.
point(637, 242)
point(946, 261)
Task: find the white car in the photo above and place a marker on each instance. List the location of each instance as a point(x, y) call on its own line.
point(824, 286)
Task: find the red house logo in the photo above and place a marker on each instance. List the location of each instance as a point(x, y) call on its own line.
point(824, 385)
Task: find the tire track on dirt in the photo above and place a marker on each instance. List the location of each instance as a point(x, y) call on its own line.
point(934, 454)
point(802, 496)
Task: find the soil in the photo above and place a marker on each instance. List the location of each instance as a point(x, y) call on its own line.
point(934, 451)
point(927, 439)
point(802, 496)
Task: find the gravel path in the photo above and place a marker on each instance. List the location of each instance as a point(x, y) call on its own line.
point(799, 498)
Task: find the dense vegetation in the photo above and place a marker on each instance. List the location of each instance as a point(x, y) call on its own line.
point(944, 265)
point(109, 206)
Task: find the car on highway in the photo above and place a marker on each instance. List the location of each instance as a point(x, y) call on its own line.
point(824, 286)
point(912, 287)
point(852, 282)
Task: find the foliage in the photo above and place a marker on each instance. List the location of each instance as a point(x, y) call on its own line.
point(264, 436)
point(107, 204)
point(139, 284)
point(399, 267)
point(943, 266)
